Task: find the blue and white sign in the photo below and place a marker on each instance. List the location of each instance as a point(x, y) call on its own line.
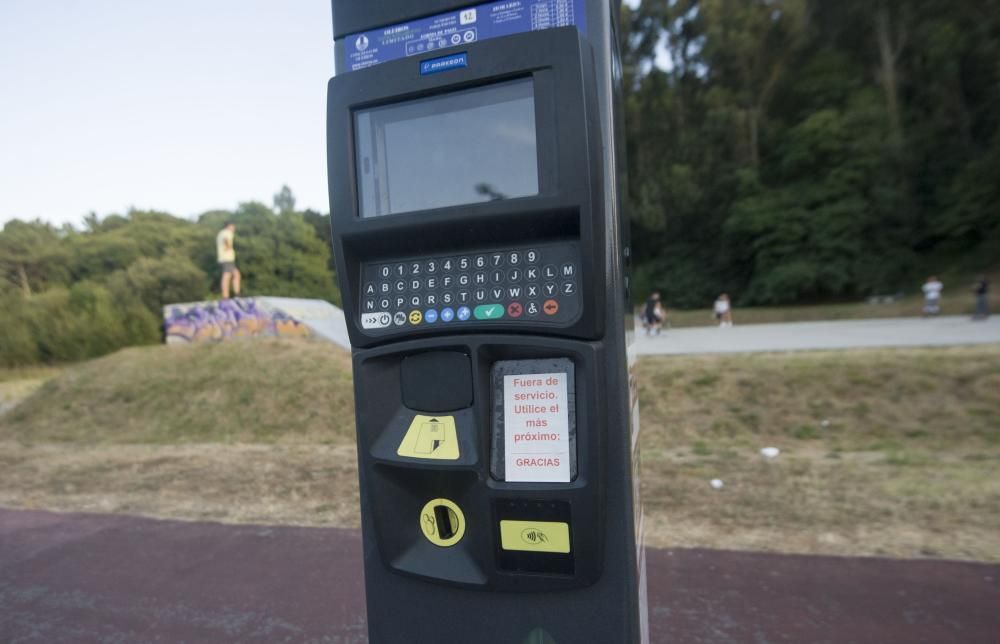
point(444, 63)
point(456, 28)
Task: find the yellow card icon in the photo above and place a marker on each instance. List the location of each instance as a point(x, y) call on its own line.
point(535, 536)
point(431, 437)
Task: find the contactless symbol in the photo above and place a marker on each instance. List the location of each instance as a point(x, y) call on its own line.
point(416, 317)
point(442, 522)
point(399, 319)
point(464, 313)
point(447, 314)
point(535, 536)
point(514, 309)
point(551, 307)
point(430, 316)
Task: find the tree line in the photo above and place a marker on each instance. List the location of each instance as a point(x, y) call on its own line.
point(786, 151)
point(72, 294)
point(806, 150)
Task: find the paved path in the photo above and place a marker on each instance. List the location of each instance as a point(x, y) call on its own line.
point(894, 332)
point(92, 578)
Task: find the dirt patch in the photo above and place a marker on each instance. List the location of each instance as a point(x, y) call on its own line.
point(271, 484)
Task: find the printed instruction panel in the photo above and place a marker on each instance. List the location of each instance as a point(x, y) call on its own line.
point(457, 28)
point(534, 421)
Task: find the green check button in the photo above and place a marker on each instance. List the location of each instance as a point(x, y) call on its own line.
point(488, 312)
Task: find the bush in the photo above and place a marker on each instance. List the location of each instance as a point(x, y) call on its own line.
point(158, 282)
point(63, 325)
point(17, 344)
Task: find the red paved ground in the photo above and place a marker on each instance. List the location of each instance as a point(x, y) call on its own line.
point(91, 578)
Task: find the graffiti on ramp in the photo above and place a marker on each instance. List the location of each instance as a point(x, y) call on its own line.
point(226, 319)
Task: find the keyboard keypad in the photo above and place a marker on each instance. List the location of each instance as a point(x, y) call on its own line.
point(535, 284)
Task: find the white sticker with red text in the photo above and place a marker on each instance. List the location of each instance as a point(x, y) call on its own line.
point(536, 428)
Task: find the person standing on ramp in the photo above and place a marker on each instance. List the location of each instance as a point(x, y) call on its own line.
point(226, 254)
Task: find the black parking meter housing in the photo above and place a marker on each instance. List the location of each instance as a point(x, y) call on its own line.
point(469, 311)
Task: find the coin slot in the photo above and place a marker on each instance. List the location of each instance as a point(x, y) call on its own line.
point(446, 522)
point(442, 522)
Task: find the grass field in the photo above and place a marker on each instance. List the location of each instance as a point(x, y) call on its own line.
point(891, 453)
point(18, 384)
point(957, 301)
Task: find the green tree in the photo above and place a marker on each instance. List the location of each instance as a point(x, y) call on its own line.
point(158, 282)
point(281, 254)
point(32, 256)
point(284, 200)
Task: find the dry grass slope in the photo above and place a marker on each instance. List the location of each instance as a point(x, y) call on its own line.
point(883, 452)
point(234, 392)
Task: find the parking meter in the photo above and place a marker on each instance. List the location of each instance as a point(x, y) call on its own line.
point(474, 157)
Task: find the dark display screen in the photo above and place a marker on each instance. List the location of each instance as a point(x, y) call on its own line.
point(460, 148)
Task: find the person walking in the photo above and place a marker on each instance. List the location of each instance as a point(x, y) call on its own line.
point(724, 311)
point(932, 296)
point(653, 314)
point(226, 255)
point(981, 289)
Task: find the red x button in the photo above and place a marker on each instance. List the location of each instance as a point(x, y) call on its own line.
point(514, 309)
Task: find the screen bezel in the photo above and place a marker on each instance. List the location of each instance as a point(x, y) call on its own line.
point(545, 139)
point(541, 157)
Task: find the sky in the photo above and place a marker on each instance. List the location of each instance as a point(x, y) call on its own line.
point(175, 105)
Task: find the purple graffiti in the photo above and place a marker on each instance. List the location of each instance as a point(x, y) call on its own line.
point(225, 319)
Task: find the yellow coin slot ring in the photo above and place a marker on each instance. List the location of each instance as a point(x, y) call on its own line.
point(442, 522)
